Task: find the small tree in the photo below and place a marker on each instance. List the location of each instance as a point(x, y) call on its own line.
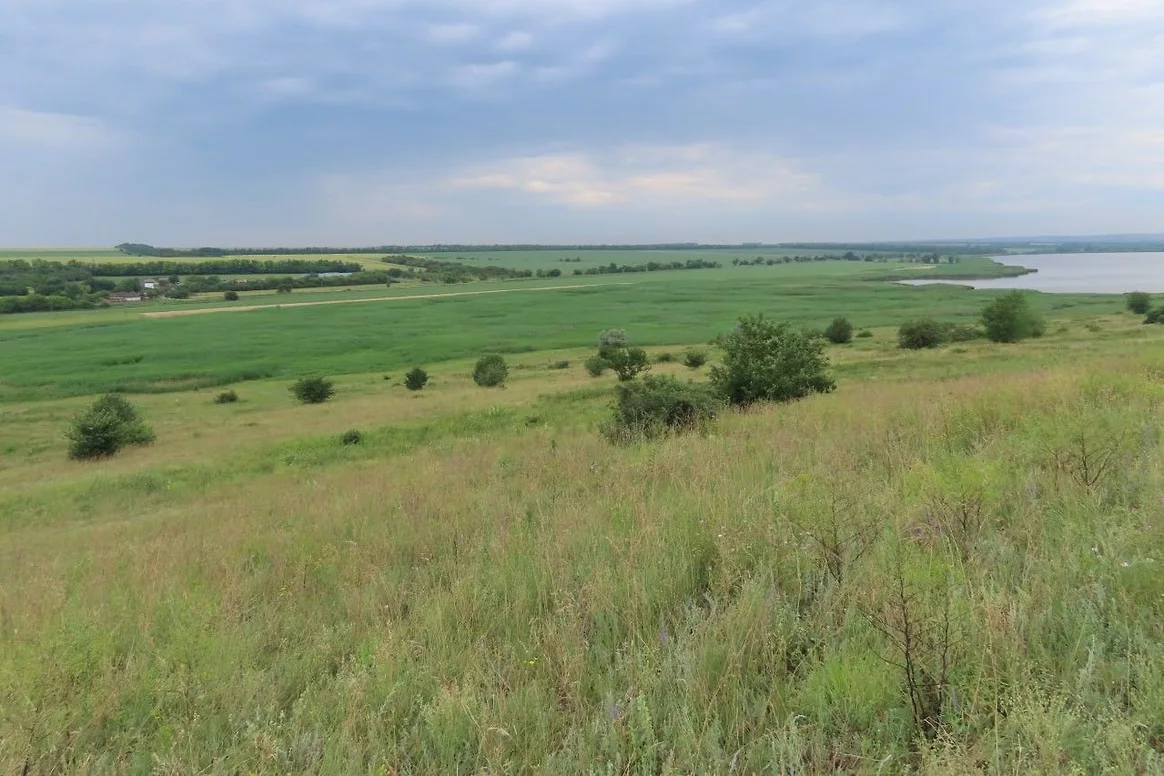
point(109, 425)
point(613, 338)
point(1139, 302)
point(1011, 319)
point(491, 371)
point(658, 406)
point(627, 363)
point(231, 296)
point(839, 332)
point(313, 390)
point(768, 361)
point(916, 335)
point(416, 379)
point(284, 287)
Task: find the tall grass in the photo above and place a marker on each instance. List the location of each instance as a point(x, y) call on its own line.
point(545, 602)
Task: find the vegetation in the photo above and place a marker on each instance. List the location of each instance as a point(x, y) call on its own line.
point(864, 334)
point(226, 397)
point(626, 362)
point(491, 371)
point(694, 359)
point(1155, 315)
point(351, 437)
point(105, 428)
point(416, 379)
point(768, 361)
point(596, 366)
point(917, 335)
point(1139, 302)
point(1010, 318)
point(839, 332)
point(231, 296)
point(658, 406)
point(313, 390)
point(665, 358)
point(563, 364)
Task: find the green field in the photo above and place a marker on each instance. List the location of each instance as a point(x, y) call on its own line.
point(485, 585)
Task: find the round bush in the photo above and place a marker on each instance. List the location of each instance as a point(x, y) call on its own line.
point(694, 359)
point(352, 437)
point(864, 334)
point(916, 335)
point(658, 406)
point(596, 366)
point(416, 379)
point(665, 358)
point(491, 371)
point(767, 361)
point(1011, 319)
point(839, 332)
point(231, 296)
point(560, 365)
point(1139, 302)
point(226, 397)
point(313, 390)
point(109, 425)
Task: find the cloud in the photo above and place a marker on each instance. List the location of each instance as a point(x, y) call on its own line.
point(645, 175)
point(26, 129)
point(452, 33)
point(518, 40)
point(477, 77)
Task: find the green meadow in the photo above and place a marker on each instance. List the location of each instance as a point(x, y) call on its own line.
point(951, 564)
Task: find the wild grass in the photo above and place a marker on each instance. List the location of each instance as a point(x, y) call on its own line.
point(526, 598)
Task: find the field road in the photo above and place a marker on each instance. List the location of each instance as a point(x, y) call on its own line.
point(249, 308)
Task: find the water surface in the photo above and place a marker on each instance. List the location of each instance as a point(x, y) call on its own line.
point(1076, 273)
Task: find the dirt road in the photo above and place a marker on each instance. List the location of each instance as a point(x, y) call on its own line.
point(249, 308)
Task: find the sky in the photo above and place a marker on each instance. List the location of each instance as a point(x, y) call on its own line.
point(367, 122)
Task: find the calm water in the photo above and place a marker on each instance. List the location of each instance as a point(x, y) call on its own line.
point(1077, 273)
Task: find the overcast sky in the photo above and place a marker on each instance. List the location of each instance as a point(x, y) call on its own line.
point(348, 122)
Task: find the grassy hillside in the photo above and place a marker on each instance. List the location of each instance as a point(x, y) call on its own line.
point(950, 565)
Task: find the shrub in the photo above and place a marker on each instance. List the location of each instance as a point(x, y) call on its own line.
point(284, 288)
point(613, 338)
point(109, 425)
point(1011, 319)
point(231, 296)
point(226, 397)
point(658, 406)
point(352, 437)
point(768, 361)
point(864, 334)
point(490, 371)
point(1139, 302)
point(416, 379)
point(839, 332)
point(665, 358)
point(596, 366)
point(313, 390)
point(694, 359)
point(627, 363)
point(1154, 316)
point(960, 332)
point(177, 293)
point(915, 335)
point(560, 365)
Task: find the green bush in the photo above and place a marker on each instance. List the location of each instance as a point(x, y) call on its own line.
point(416, 379)
point(768, 361)
point(660, 405)
point(839, 332)
point(226, 397)
point(560, 365)
point(352, 437)
point(694, 359)
point(313, 390)
point(491, 371)
point(230, 296)
point(916, 335)
point(109, 425)
point(665, 358)
point(284, 288)
point(1154, 316)
point(864, 334)
point(627, 363)
point(596, 366)
point(615, 338)
point(960, 332)
point(1139, 302)
point(1011, 319)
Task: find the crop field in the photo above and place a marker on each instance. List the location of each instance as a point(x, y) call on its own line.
point(951, 564)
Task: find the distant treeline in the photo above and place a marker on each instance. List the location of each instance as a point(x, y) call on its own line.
point(221, 267)
point(437, 271)
point(651, 266)
point(197, 284)
point(141, 249)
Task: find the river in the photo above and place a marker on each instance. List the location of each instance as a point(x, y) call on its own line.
point(1076, 273)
